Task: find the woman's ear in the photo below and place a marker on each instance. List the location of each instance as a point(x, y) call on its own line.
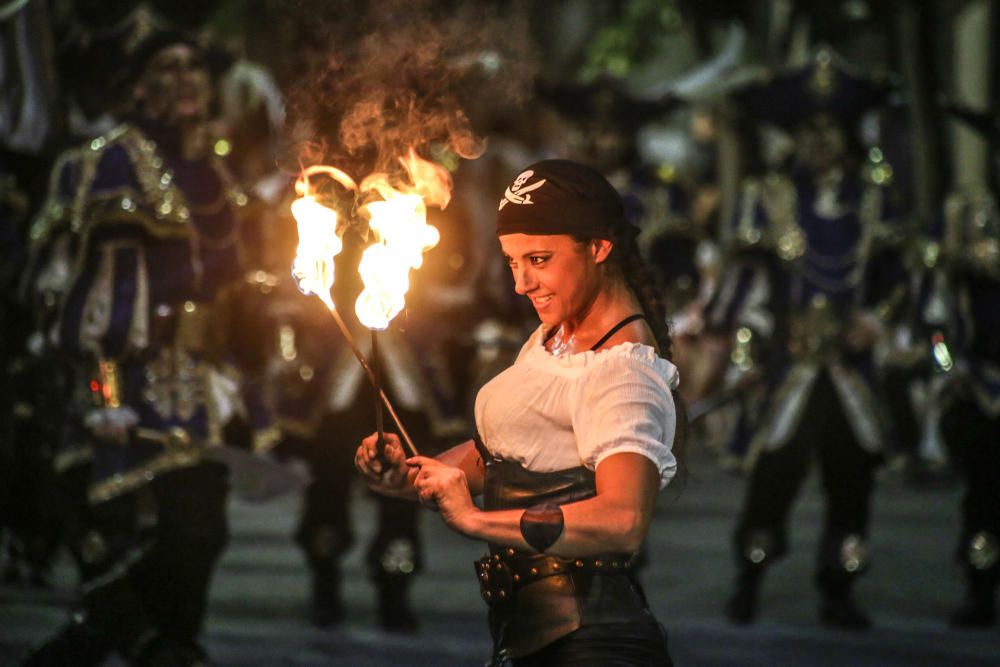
point(600, 249)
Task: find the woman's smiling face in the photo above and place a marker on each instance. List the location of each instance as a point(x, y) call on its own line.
point(560, 275)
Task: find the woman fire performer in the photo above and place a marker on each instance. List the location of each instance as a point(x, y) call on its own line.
point(577, 436)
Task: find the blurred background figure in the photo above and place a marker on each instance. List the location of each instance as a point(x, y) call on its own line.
point(807, 287)
point(144, 230)
point(960, 265)
point(970, 261)
point(31, 397)
point(959, 262)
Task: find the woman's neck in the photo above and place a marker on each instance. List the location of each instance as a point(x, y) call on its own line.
point(609, 307)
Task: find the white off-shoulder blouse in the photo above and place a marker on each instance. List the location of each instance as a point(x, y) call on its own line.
point(552, 413)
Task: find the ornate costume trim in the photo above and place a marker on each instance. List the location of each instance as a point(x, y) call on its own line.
point(96, 316)
point(138, 334)
point(860, 406)
point(169, 211)
point(71, 458)
point(971, 241)
point(53, 214)
point(777, 199)
point(264, 440)
point(120, 484)
point(788, 406)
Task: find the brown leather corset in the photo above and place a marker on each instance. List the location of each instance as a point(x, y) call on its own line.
point(535, 598)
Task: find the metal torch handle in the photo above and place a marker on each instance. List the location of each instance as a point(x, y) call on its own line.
point(403, 434)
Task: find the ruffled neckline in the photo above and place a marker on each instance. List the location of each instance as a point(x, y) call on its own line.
point(628, 349)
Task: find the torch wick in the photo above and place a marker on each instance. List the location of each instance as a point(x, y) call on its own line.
point(407, 441)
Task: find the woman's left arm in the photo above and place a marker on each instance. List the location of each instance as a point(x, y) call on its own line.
point(615, 520)
point(622, 412)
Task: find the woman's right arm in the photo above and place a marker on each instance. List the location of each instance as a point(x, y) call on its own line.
point(395, 478)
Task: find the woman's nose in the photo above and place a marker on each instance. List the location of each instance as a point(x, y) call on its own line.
point(524, 281)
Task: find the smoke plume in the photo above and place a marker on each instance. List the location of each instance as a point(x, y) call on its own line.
point(399, 74)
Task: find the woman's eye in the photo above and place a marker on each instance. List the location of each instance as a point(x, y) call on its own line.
point(537, 260)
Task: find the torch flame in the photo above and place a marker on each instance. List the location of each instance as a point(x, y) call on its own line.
point(319, 242)
point(402, 236)
point(318, 245)
point(430, 181)
point(398, 223)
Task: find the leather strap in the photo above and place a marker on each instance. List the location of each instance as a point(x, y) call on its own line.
point(614, 329)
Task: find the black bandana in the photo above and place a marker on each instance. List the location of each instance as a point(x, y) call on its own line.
point(560, 197)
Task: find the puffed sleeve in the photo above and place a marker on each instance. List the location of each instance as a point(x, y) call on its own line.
point(624, 404)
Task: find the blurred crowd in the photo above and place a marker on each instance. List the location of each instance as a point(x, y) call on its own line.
point(815, 185)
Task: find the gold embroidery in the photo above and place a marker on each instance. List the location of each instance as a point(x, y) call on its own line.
point(119, 484)
point(175, 384)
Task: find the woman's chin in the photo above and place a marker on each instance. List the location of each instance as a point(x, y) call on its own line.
point(548, 319)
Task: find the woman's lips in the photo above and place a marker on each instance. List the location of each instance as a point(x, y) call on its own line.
point(541, 302)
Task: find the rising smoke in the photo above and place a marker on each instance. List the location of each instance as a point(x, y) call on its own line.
point(385, 76)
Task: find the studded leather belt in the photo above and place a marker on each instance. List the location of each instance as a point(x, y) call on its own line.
point(502, 574)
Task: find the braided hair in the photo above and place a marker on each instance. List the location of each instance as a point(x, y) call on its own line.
point(643, 282)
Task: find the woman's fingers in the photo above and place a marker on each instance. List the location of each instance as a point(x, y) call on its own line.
point(427, 495)
point(426, 477)
point(388, 474)
point(424, 462)
point(367, 459)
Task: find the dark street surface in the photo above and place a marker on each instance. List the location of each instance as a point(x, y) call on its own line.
point(259, 596)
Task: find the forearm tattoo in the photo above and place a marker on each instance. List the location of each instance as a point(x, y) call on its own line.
point(542, 525)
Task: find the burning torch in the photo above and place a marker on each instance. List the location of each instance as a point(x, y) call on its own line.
point(400, 236)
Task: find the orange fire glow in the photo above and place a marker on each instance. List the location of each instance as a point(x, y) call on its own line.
point(399, 230)
point(319, 242)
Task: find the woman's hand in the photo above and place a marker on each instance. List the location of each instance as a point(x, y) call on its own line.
point(445, 488)
point(389, 475)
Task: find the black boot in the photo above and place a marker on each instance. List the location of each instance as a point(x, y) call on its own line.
point(79, 644)
point(979, 608)
point(163, 651)
point(394, 611)
point(12, 575)
point(838, 609)
point(741, 607)
point(842, 613)
point(327, 607)
point(975, 613)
